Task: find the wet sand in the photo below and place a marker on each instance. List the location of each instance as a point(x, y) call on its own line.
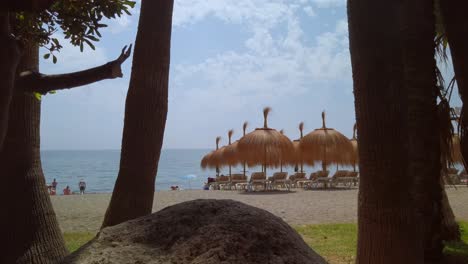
point(78, 213)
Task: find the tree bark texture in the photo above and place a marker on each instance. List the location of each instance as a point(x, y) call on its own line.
point(418, 30)
point(456, 30)
point(10, 54)
point(388, 227)
point(145, 115)
point(29, 225)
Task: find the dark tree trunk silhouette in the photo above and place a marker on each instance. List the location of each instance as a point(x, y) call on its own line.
point(145, 115)
point(29, 226)
point(394, 88)
point(26, 5)
point(418, 32)
point(10, 54)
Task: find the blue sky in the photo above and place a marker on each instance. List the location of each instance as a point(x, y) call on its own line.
point(229, 59)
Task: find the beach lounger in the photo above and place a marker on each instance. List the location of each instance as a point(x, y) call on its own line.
point(341, 177)
point(452, 177)
point(298, 179)
point(222, 182)
point(319, 177)
point(258, 179)
point(463, 177)
point(280, 179)
point(238, 181)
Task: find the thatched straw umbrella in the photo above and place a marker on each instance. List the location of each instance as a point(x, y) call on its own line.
point(456, 155)
point(264, 146)
point(296, 158)
point(231, 153)
point(326, 145)
point(355, 154)
point(221, 156)
point(211, 160)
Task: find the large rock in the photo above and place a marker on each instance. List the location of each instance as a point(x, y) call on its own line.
point(200, 231)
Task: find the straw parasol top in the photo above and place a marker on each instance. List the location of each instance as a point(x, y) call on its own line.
point(231, 152)
point(355, 154)
point(264, 146)
point(456, 154)
point(211, 160)
point(326, 145)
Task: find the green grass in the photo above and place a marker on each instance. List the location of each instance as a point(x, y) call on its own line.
point(73, 241)
point(335, 242)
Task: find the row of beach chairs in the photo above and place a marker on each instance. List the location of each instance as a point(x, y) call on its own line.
point(281, 180)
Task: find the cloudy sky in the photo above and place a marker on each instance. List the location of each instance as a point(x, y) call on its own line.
point(230, 58)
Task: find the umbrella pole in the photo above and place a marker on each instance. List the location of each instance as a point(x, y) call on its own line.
point(244, 169)
point(302, 167)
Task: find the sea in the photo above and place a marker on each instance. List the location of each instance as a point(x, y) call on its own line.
point(99, 169)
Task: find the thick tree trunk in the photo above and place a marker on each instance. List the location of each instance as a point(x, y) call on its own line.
point(29, 226)
point(450, 231)
point(456, 29)
point(10, 55)
point(418, 31)
point(388, 227)
point(145, 115)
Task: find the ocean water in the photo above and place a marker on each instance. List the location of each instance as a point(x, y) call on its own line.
point(99, 169)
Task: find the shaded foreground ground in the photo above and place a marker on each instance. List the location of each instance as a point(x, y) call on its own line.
point(335, 242)
point(85, 213)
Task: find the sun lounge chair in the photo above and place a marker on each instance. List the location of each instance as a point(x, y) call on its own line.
point(319, 177)
point(258, 178)
point(298, 179)
point(452, 177)
point(463, 177)
point(280, 179)
point(341, 177)
point(222, 182)
point(238, 181)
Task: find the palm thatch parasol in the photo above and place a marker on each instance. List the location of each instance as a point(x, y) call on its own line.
point(264, 146)
point(231, 153)
point(221, 156)
point(326, 145)
point(354, 159)
point(296, 158)
point(456, 155)
point(211, 160)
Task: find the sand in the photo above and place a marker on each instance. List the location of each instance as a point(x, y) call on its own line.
point(78, 213)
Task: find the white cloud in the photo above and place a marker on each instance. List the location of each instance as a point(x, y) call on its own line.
point(329, 3)
point(309, 11)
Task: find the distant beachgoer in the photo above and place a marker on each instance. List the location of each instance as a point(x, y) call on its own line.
point(206, 186)
point(82, 185)
point(54, 184)
point(52, 191)
point(67, 191)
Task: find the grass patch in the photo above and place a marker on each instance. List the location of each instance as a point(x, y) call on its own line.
point(74, 241)
point(335, 242)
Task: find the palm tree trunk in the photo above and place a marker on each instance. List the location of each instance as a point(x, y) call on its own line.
point(30, 229)
point(388, 226)
point(145, 115)
point(424, 143)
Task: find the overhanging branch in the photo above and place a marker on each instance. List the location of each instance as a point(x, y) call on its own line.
point(30, 81)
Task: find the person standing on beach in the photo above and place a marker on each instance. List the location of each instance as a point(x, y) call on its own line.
point(67, 191)
point(82, 185)
point(54, 184)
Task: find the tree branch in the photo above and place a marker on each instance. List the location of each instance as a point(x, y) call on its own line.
point(30, 81)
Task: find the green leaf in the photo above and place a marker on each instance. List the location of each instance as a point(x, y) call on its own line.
point(46, 56)
point(54, 59)
point(89, 44)
point(92, 38)
point(38, 96)
point(53, 92)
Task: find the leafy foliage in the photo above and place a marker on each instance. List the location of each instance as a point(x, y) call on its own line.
point(79, 20)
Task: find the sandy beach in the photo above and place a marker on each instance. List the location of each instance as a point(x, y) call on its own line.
point(78, 213)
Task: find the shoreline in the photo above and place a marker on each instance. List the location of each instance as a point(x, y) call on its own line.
point(84, 213)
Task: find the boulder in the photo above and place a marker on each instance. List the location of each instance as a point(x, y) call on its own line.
point(200, 232)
